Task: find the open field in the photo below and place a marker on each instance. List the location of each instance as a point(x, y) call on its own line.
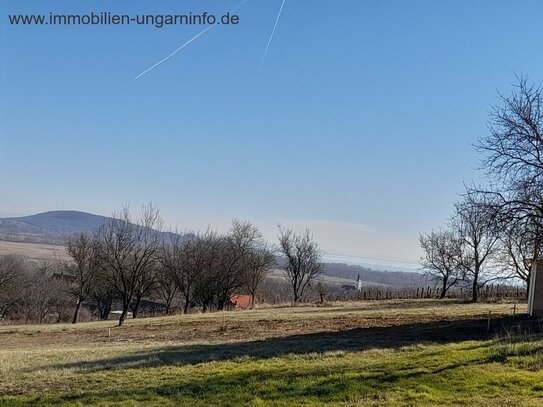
point(380, 353)
point(33, 251)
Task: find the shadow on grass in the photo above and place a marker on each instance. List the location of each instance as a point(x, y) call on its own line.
point(358, 339)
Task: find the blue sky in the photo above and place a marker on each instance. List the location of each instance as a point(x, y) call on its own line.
point(359, 124)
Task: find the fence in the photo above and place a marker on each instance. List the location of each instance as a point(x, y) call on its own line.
point(487, 293)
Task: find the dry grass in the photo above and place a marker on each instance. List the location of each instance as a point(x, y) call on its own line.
point(33, 251)
point(250, 325)
point(380, 353)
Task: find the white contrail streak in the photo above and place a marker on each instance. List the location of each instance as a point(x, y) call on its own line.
point(184, 45)
point(273, 32)
point(175, 52)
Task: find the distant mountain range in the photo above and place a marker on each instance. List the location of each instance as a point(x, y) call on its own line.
point(49, 227)
point(53, 228)
point(371, 277)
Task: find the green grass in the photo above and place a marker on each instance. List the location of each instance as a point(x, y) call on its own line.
point(339, 367)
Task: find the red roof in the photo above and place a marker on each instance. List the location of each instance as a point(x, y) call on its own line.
point(241, 301)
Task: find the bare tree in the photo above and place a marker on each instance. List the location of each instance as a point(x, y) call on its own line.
point(513, 150)
point(146, 282)
point(475, 225)
point(167, 291)
point(236, 253)
point(128, 251)
point(322, 290)
point(103, 296)
point(10, 269)
point(442, 258)
point(13, 278)
point(521, 244)
point(303, 260)
point(189, 261)
point(260, 260)
point(513, 160)
point(82, 250)
point(45, 296)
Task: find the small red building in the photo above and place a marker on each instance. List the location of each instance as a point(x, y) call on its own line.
point(241, 301)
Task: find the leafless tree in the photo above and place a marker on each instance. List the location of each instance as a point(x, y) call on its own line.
point(10, 268)
point(167, 290)
point(127, 252)
point(475, 225)
point(146, 282)
point(513, 159)
point(442, 258)
point(513, 153)
point(259, 263)
point(13, 278)
point(45, 296)
point(236, 255)
point(103, 295)
point(82, 250)
point(190, 262)
point(521, 244)
point(322, 290)
point(303, 260)
point(513, 150)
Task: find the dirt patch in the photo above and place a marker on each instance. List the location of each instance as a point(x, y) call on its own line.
point(215, 329)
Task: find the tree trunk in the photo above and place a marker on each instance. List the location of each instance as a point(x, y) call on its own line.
point(136, 308)
point(443, 289)
point(474, 291)
point(253, 299)
point(222, 302)
point(168, 307)
point(126, 304)
point(104, 313)
point(77, 310)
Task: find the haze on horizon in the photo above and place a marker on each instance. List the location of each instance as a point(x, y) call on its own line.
point(359, 125)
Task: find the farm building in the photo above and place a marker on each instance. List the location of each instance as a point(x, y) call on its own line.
point(240, 301)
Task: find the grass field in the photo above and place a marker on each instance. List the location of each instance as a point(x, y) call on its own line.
point(388, 353)
point(33, 251)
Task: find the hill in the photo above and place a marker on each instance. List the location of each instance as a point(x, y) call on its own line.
point(37, 235)
point(48, 227)
point(52, 228)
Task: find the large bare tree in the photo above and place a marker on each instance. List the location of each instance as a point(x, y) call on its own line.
point(82, 249)
point(127, 252)
point(521, 244)
point(13, 278)
point(259, 263)
point(513, 159)
point(188, 260)
point(237, 249)
point(513, 149)
point(302, 259)
point(442, 258)
point(475, 225)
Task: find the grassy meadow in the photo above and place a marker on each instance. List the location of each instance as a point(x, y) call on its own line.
point(387, 353)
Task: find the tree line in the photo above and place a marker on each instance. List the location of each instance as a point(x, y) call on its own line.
point(495, 231)
point(130, 259)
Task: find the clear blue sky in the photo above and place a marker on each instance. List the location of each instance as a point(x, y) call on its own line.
point(359, 124)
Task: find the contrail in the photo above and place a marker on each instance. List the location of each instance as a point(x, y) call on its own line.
point(185, 44)
point(273, 32)
point(175, 52)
